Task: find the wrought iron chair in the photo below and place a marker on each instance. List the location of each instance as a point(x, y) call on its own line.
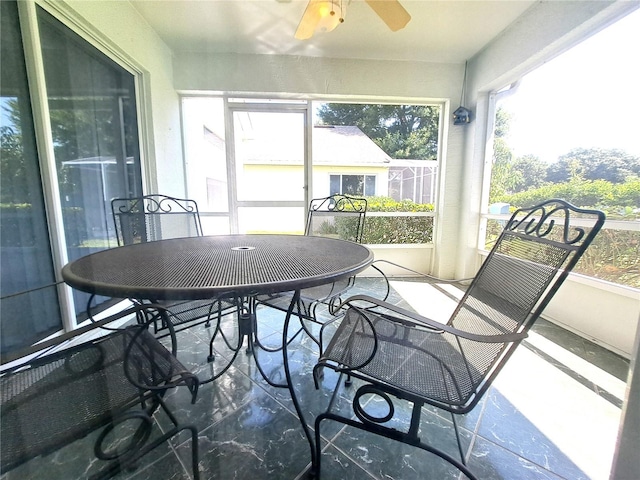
point(398, 354)
point(59, 391)
point(159, 217)
point(338, 216)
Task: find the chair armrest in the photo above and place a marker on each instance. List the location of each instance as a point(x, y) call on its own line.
point(429, 278)
point(420, 321)
point(423, 275)
point(27, 354)
point(149, 365)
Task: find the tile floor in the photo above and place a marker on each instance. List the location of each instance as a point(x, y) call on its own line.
point(552, 413)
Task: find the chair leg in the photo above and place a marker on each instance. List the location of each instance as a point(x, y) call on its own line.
point(457, 432)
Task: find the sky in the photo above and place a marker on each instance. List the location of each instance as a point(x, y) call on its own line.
point(587, 97)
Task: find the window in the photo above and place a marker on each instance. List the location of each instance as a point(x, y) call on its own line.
point(386, 152)
point(362, 185)
point(554, 139)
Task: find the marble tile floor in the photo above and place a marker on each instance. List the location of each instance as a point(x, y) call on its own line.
point(552, 413)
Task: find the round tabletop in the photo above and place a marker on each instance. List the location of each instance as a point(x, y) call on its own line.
point(213, 266)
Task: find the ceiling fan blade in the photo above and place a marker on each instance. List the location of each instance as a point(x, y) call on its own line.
point(391, 13)
point(308, 22)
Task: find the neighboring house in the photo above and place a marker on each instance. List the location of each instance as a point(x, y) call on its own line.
point(345, 160)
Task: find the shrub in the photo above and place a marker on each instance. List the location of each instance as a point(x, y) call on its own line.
point(585, 193)
point(397, 230)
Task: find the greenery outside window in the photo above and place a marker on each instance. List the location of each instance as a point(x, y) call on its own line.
point(590, 158)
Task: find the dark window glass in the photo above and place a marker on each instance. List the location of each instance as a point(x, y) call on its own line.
point(93, 120)
point(370, 185)
point(29, 302)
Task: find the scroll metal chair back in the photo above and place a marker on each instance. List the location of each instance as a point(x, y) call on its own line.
point(338, 216)
point(160, 217)
point(154, 217)
point(402, 355)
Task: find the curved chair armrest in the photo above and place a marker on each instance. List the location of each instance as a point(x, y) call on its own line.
point(176, 374)
point(344, 368)
point(418, 320)
point(16, 359)
point(430, 278)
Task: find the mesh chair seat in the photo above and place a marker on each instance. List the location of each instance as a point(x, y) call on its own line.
point(62, 397)
point(418, 361)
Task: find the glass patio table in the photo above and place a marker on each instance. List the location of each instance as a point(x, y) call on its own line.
point(225, 266)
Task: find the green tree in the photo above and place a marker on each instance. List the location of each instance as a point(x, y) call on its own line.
point(504, 178)
point(402, 131)
point(612, 165)
point(531, 172)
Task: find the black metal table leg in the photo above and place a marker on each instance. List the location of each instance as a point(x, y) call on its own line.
point(287, 372)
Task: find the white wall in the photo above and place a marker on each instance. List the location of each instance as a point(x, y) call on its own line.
point(599, 311)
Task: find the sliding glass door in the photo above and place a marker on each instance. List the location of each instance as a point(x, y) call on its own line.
point(92, 115)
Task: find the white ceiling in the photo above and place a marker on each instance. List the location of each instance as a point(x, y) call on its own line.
point(449, 31)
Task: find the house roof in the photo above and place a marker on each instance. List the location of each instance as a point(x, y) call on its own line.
point(332, 145)
point(345, 145)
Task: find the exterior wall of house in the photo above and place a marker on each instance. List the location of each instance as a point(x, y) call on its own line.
point(271, 182)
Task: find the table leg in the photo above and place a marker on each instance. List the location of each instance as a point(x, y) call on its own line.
point(246, 325)
point(287, 372)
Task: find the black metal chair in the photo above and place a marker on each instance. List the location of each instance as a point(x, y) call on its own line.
point(159, 217)
point(338, 216)
point(63, 390)
point(400, 355)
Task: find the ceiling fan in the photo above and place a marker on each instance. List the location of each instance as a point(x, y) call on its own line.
point(325, 15)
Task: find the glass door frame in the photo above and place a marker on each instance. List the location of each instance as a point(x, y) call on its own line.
point(28, 18)
point(256, 105)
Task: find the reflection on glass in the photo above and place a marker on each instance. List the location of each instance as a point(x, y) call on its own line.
point(29, 302)
point(93, 120)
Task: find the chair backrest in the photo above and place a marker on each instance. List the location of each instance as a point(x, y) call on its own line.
point(532, 257)
point(337, 216)
point(154, 217)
